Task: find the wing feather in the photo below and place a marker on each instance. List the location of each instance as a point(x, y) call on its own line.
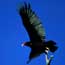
point(32, 23)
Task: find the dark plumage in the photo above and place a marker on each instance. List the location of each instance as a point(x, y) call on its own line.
point(36, 32)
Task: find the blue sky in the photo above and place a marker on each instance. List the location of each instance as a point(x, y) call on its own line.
point(13, 33)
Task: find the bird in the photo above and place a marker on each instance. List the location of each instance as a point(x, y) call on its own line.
point(36, 32)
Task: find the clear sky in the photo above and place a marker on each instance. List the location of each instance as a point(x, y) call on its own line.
point(13, 33)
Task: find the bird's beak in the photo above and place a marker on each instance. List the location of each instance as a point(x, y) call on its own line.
point(23, 44)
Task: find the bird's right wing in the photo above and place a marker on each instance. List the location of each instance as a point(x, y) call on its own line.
point(32, 23)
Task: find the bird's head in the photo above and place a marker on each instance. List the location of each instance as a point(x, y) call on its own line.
point(26, 44)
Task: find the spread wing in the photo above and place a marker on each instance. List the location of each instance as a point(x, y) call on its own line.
point(32, 23)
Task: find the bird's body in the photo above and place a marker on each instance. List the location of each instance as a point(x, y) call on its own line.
point(36, 32)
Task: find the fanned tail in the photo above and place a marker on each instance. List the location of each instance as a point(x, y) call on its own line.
point(52, 45)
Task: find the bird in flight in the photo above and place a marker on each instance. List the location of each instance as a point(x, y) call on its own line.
point(36, 32)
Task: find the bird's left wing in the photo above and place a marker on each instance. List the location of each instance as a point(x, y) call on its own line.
point(32, 23)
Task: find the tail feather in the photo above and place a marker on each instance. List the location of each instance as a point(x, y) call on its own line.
point(52, 46)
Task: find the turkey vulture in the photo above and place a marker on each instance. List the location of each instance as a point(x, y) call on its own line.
point(36, 32)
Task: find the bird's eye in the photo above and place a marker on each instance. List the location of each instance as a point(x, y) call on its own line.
point(30, 43)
